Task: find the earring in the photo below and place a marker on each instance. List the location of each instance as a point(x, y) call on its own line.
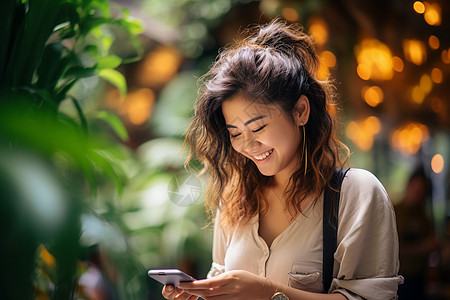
point(305, 150)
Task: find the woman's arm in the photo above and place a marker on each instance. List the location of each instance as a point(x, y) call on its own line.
point(244, 285)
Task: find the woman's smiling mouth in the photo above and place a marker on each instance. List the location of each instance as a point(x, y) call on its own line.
point(263, 156)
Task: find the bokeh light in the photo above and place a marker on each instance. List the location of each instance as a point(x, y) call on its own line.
point(436, 105)
point(374, 60)
point(445, 56)
point(397, 64)
point(327, 61)
point(362, 133)
point(138, 105)
point(409, 138)
point(318, 28)
point(372, 95)
point(419, 7)
point(290, 14)
point(414, 51)
point(433, 42)
point(437, 163)
point(159, 66)
point(436, 75)
point(432, 13)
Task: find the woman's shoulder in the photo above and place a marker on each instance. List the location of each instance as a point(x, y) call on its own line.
point(361, 179)
point(364, 187)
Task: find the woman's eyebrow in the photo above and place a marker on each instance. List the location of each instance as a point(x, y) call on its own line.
point(247, 122)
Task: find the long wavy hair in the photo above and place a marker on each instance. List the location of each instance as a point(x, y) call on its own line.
point(275, 65)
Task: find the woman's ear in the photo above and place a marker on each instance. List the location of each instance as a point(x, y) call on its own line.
point(301, 111)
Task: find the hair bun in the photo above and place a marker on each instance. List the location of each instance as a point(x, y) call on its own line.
point(289, 39)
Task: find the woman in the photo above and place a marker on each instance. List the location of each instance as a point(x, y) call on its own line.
point(265, 131)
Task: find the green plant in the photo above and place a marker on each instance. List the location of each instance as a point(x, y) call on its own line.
point(51, 164)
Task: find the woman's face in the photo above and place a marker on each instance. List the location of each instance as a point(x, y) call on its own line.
point(264, 134)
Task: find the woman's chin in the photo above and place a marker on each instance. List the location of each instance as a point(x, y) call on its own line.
point(266, 172)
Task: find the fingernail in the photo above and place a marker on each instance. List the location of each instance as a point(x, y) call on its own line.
point(169, 288)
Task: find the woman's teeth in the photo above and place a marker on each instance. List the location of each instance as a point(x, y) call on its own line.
point(264, 155)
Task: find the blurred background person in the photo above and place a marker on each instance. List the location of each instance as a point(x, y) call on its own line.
point(416, 236)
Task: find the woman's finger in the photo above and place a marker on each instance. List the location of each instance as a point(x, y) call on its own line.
point(167, 291)
point(170, 292)
point(210, 283)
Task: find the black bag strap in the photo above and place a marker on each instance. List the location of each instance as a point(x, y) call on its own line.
point(330, 225)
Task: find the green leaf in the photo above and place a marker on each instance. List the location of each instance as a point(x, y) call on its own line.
point(83, 121)
point(109, 62)
point(107, 168)
point(115, 78)
point(80, 72)
point(115, 123)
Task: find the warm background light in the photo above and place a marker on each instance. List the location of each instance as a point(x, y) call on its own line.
point(436, 75)
point(318, 29)
point(397, 64)
point(159, 66)
point(437, 163)
point(327, 61)
point(436, 105)
point(445, 56)
point(362, 133)
point(290, 14)
point(432, 13)
point(433, 42)
point(372, 95)
point(138, 105)
point(419, 7)
point(374, 60)
point(415, 51)
point(408, 139)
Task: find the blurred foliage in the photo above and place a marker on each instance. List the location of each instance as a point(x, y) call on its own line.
point(75, 200)
point(194, 20)
point(53, 166)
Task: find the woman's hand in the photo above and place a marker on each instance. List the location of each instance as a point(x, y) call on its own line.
point(171, 293)
point(230, 285)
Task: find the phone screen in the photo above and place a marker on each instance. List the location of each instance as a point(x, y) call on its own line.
point(170, 276)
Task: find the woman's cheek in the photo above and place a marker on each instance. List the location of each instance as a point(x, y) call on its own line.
point(237, 145)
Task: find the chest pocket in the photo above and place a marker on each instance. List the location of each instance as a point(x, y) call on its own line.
point(303, 278)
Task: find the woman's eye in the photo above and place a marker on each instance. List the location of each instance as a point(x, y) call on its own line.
point(259, 129)
point(234, 135)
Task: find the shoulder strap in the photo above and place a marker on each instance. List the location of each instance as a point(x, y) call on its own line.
point(330, 225)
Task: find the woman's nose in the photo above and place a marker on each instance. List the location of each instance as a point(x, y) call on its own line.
point(249, 143)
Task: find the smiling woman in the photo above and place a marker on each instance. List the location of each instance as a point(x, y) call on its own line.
point(264, 132)
point(271, 141)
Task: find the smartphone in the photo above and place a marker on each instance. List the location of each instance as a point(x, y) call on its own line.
point(170, 276)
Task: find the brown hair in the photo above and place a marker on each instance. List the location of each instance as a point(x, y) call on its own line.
point(275, 65)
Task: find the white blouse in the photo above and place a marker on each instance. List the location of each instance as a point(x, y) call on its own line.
point(366, 260)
